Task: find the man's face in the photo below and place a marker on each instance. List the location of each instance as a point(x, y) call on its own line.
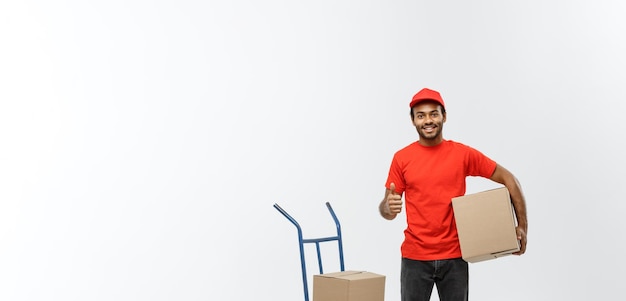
point(428, 120)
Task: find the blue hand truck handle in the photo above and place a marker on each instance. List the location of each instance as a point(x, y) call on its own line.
point(317, 242)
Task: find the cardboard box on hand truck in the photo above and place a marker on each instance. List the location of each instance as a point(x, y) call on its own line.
point(349, 286)
point(486, 225)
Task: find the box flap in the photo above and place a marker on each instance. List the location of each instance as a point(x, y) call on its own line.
point(350, 275)
point(361, 275)
point(341, 275)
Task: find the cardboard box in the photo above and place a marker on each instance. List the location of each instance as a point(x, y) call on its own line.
point(349, 286)
point(486, 225)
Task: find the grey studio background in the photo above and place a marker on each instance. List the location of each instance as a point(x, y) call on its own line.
point(143, 143)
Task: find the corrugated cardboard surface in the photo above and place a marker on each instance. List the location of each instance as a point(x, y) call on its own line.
point(486, 225)
point(349, 286)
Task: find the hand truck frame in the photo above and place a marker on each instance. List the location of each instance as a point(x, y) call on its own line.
point(316, 241)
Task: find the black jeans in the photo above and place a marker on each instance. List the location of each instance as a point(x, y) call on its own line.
point(418, 277)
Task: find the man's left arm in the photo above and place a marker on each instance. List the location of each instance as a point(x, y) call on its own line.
point(506, 178)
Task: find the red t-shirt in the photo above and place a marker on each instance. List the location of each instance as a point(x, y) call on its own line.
point(430, 177)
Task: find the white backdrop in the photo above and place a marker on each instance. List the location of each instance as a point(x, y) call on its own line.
point(143, 143)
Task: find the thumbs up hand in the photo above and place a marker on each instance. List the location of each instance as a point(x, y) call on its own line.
point(394, 200)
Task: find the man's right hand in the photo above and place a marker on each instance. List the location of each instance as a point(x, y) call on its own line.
point(394, 200)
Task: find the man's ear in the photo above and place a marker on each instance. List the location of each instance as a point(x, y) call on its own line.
point(444, 116)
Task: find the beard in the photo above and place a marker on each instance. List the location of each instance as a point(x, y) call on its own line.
point(433, 135)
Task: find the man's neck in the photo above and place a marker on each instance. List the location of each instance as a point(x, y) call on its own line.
point(430, 142)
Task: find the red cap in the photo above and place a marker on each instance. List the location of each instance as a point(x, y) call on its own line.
point(427, 94)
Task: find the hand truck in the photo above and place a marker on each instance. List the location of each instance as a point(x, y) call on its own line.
point(317, 242)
